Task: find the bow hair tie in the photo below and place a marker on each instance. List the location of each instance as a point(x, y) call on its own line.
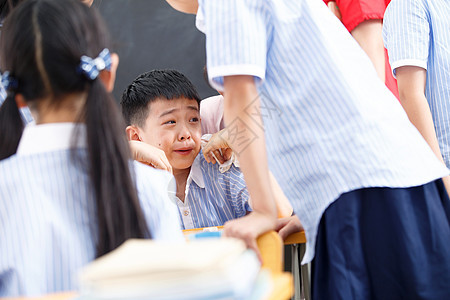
point(92, 67)
point(8, 81)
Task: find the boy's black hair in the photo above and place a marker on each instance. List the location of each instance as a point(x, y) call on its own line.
point(151, 86)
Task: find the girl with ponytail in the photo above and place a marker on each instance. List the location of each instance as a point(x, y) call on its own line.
point(68, 189)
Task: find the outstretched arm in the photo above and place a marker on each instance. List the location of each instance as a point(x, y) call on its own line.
point(149, 155)
point(368, 34)
point(284, 208)
point(240, 94)
point(411, 82)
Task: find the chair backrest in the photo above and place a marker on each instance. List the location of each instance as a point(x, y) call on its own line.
point(270, 246)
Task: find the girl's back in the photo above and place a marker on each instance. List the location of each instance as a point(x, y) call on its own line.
point(67, 192)
point(48, 214)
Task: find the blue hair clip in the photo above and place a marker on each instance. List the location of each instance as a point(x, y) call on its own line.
point(8, 81)
point(92, 67)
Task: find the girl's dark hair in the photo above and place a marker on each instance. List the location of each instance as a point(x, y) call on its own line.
point(6, 6)
point(41, 45)
point(11, 125)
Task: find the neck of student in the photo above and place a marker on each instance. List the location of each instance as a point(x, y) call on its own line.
point(181, 176)
point(66, 109)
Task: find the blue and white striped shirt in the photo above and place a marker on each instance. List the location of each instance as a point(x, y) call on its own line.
point(48, 214)
point(211, 197)
point(331, 125)
point(417, 33)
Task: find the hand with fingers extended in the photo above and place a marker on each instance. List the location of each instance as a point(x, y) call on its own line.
point(149, 155)
point(288, 226)
point(248, 228)
point(218, 147)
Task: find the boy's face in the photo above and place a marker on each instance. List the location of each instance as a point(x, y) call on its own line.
point(174, 127)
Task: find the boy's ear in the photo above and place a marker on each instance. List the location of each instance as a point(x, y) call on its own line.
point(108, 77)
point(133, 133)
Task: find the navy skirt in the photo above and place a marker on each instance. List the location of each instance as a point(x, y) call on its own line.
point(385, 243)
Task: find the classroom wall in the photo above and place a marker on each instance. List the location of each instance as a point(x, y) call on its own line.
point(149, 34)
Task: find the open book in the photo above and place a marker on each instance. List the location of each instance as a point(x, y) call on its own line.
point(146, 269)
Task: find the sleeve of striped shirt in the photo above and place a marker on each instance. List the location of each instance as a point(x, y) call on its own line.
point(236, 39)
point(406, 33)
point(237, 189)
point(160, 212)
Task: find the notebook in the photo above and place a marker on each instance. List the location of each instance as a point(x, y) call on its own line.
point(145, 269)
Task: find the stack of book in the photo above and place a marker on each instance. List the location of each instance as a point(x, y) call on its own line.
point(202, 269)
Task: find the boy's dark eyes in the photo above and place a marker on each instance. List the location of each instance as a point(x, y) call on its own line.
point(194, 120)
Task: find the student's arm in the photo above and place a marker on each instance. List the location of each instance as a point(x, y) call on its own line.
point(411, 82)
point(149, 155)
point(284, 207)
point(216, 143)
point(240, 93)
point(369, 36)
point(288, 226)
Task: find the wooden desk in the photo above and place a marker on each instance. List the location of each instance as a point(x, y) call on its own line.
point(59, 296)
point(282, 290)
point(285, 284)
point(296, 238)
point(204, 229)
point(283, 287)
point(297, 243)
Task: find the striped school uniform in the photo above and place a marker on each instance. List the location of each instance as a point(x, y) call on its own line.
point(48, 217)
point(212, 197)
point(332, 129)
point(417, 33)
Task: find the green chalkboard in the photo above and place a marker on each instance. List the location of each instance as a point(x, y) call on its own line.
point(149, 34)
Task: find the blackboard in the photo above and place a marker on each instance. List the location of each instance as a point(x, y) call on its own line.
point(149, 34)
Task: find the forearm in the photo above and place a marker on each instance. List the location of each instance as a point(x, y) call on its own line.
point(416, 106)
point(284, 207)
point(368, 34)
point(246, 138)
point(411, 87)
point(418, 111)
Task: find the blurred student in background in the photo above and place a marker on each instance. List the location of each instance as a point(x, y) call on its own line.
point(364, 20)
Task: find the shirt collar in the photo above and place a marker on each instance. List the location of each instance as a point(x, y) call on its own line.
point(196, 173)
point(50, 137)
point(200, 18)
